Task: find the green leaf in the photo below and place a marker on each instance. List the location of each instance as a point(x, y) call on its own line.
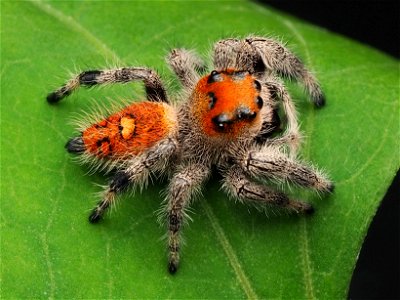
point(48, 248)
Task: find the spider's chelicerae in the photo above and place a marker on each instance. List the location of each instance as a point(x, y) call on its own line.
point(228, 119)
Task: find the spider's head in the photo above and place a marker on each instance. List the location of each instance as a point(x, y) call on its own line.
point(227, 103)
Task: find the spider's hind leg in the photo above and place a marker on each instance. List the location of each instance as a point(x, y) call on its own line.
point(118, 184)
point(137, 171)
point(154, 87)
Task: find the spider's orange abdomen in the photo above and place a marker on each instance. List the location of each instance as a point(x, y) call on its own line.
point(227, 102)
point(130, 131)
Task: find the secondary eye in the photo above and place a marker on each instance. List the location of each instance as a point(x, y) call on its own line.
point(212, 100)
point(214, 76)
point(259, 102)
point(257, 85)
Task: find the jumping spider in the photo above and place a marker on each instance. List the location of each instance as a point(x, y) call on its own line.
point(227, 119)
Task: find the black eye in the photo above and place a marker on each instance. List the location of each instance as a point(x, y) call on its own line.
point(221, 121)
point(257, 85)
point(214, 76)
point(244, 113)
point(259, 102)
point(212, 100)
point(239, 75)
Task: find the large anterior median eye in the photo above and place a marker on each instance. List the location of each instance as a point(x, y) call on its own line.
point(222, 120)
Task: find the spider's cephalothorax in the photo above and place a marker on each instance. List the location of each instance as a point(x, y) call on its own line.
point(227, 104)
point(229, 118)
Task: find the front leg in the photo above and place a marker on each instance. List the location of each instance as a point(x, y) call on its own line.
point(279, 59)
point(186, 65)
point(182, 187)
point(154, 87)
point(277, 92)
point(270, 164)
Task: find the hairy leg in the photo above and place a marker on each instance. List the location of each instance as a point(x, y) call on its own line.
point(186, 65)
point(181, 189)
point(260, 55)
point(237, 185)
point(136, 172)
point(154, 87)
point(278, 58)
point(291, 136)
point(237, 54)
point(271, 164)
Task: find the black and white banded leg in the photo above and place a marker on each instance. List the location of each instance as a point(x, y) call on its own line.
point(270, 164)
point(182, 188)
point(137, 172)
point(154, 87)
point(238, 186)
point(279, 59)
point(258, 55)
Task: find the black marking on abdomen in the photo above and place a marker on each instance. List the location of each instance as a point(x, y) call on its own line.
point(99, 145)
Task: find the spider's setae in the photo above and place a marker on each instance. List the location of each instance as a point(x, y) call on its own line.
point(228, 119)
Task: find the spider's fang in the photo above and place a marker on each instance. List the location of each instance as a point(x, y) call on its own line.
point(276, 120)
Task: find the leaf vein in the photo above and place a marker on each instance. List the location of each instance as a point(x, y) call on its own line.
point(230, 253)
point(372, 157)
point(305, 258)
point(76, 26)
